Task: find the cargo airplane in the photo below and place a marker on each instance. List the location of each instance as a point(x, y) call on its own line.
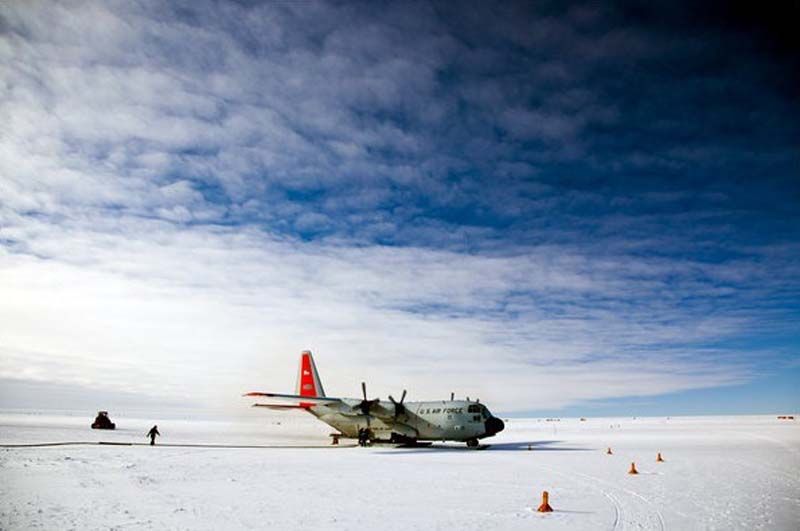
point(393, 421)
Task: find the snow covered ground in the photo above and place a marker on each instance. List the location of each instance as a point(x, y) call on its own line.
point(719, 473)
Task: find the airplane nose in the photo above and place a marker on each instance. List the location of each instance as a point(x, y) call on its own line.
point(494, 425)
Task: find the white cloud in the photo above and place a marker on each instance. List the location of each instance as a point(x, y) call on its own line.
point(203, 313)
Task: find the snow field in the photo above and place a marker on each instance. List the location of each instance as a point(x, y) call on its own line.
point(719, 473)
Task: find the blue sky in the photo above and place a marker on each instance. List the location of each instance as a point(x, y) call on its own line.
point(560, 208)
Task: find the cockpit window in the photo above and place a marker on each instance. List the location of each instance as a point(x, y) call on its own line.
point(474, 408)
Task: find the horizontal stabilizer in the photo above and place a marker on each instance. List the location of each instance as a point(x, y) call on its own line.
point(307, 399)
point(280, 406)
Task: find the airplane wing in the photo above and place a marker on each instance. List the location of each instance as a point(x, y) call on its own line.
point(378, 410)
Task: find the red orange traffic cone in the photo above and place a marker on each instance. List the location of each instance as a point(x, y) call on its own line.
point(545, 506)
point(633, 469)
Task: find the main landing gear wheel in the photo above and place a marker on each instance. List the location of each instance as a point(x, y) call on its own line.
point(472, 443)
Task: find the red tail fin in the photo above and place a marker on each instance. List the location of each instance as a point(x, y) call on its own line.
point(308, 382)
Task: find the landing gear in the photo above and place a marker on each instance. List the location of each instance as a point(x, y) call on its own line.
point(365, 437)
point(472, 443)
point(396, 438)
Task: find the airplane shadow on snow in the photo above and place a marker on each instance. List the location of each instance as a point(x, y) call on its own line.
point(535, 446)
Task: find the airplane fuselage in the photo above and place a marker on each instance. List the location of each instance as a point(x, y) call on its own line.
point(452, 420)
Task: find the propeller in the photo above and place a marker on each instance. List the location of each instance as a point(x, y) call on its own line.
point(365, 405)
point(399, 408)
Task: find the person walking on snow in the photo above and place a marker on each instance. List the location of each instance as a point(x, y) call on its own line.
point(152, 434)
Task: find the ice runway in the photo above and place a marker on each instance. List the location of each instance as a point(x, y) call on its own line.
point(719, 473)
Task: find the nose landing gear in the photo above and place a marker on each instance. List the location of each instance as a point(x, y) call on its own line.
point(472, 443)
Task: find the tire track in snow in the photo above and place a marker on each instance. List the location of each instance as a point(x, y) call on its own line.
point(175, 445)
point(619, 522)
point(647, 502)
point(619, 508)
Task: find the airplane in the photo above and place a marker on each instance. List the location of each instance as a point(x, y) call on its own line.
point(404, 423)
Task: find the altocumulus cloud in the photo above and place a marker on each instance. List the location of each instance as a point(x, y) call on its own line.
point(522, 204)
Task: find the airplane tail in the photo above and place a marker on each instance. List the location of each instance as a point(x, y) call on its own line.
point(308, 382)
point(308, 393)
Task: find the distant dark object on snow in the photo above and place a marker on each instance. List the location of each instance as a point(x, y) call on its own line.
point(102, 422)
point(152, 434)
